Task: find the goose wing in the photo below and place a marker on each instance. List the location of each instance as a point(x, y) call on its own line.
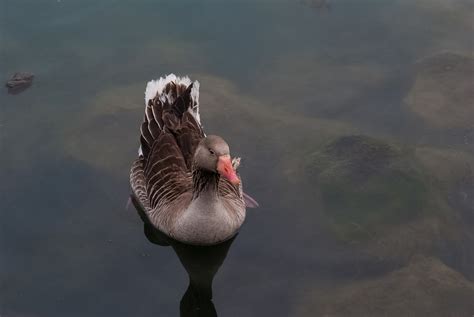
point(170, 132)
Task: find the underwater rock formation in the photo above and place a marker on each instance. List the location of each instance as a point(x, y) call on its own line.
point(392, 201)
point(443, 91)
point(366, 184)
point(425, 287)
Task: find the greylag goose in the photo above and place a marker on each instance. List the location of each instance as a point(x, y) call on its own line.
point(185, 181)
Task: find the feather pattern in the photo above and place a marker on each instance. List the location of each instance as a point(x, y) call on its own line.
point(172, 192)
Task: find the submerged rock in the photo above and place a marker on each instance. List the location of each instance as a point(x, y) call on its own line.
point(425, 287)
point(362, 153)
point(366, 185)
point(461, 197)
point(443, 91)
point(391, 201)
point(19, 82)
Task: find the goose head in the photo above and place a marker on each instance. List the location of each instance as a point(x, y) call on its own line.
point(213, 155)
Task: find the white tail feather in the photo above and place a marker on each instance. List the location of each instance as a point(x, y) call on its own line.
point(155, 88)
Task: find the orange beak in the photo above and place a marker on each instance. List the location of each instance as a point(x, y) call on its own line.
point(225, 169)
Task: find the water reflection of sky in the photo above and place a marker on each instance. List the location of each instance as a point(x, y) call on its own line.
point(279, 81)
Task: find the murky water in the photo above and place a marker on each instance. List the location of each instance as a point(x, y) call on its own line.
point(353, 119)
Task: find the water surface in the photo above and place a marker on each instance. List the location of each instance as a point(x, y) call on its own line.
point(351, 120)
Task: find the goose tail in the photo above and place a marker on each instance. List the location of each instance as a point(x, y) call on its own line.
point(169, 88)
point(166, 101)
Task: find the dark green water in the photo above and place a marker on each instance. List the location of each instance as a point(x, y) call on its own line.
point(353, 121)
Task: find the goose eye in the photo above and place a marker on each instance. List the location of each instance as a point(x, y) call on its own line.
point(212, 152)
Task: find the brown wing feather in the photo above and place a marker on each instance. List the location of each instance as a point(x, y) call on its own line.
point(169, 137)
point(188, 137)
point(137, 182)
point(169, 112)
point(165, 172)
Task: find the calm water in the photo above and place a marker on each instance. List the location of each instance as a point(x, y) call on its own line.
point(353, 120)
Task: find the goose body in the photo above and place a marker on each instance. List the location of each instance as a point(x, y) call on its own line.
point(185, 181)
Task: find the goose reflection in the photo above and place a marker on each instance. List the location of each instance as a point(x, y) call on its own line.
point(201, 263)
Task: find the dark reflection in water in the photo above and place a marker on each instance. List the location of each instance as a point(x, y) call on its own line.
point(19, 89)
point(201, 263)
